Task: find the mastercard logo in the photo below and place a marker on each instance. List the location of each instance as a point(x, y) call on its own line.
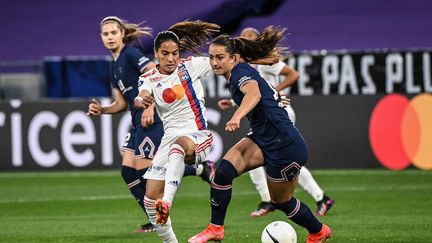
point(400, 131)
point(176, 92)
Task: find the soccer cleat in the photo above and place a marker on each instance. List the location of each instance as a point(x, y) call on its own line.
point(162, 211)
point(324, 206)
point(211, 233)
point(320, 237)
point(146, 228)
point(208, 171)
point(263, 209)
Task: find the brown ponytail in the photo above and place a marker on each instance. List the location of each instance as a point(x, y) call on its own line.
point(190, 34)
point(262, 50)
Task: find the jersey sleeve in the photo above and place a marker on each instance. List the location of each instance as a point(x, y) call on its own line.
point(144, 84)
point(201, 65)
point(242, 76)
point(274, 69)
point(137, 59)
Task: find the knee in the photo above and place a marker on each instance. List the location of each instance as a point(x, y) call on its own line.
point(225, 173)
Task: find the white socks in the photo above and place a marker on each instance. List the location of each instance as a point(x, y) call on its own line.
point(165, 232)
point(259, 180)
point(199, 169)
point(174, 172)
point(308, 183)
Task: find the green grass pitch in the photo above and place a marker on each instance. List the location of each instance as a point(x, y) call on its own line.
point(371, 206)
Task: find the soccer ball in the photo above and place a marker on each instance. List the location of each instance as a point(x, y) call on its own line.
point(279, 231)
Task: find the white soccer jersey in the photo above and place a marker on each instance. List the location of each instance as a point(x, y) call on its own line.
point(179, 102)
point(271, 72)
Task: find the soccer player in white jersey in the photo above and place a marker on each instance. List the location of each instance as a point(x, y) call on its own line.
point(175, 88)
point(271, 74)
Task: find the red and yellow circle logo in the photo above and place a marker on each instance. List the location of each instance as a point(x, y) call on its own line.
point(400, 131)
point(176, 92)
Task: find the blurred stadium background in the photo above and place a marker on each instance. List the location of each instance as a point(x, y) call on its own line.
point(363, 100)
point(355, 59)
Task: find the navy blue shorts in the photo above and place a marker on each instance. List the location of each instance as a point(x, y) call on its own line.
point(283, 163)
point(144, 141)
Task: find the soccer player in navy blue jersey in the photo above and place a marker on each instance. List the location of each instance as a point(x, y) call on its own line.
point(306, 180)
point(142, 141)
point(273, 140)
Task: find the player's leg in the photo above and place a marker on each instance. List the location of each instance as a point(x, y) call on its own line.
point(190, 149)
point(146, 141)
point(155, 176)
point(309, 184)
point(241, 157)
point(282, 181)
point(141, 165)
point(131, 178)
point(129, 172)
point(155, 190)
point(259, 180)
point(297, 211)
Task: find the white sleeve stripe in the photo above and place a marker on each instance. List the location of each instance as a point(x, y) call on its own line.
point(248, 81)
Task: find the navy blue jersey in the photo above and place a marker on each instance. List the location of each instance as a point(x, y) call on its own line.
point(269, 121)
point(125, 72)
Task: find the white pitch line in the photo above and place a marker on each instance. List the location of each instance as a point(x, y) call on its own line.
point(201, 194)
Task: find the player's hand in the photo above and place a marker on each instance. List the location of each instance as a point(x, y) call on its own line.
point(225, 104)
point(147, 117)
point(143, 103)
point(94, 108)
point(232, 125)
point(285, 101)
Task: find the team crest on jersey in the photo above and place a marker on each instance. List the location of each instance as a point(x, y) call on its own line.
point(183, 73)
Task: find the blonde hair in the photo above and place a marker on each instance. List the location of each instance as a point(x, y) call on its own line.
point(132, 31)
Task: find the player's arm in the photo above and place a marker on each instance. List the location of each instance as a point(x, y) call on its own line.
point(291, 77)
point(148, 67)
point(143, 100)
point(147, 117)
point(119, 104)
point(252, 97)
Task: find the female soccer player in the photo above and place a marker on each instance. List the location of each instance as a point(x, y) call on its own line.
point(273, 140)
point(127, 65)
point(174, 86)
point(271, 74)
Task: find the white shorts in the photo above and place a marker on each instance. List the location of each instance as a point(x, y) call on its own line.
point(202, 139)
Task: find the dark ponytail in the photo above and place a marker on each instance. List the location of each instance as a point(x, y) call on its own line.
point(262, 50)
point(189, 35)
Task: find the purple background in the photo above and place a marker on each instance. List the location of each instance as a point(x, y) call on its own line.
point(33, 29)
